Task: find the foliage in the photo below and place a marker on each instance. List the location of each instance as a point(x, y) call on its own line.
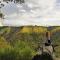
point(20, 51)
point(20, 43)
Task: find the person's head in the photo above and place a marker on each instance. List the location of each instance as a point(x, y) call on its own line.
point(43, 56)
point(49, 41)
point(46, 56)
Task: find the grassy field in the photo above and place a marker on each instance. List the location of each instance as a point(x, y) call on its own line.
point(16, 43)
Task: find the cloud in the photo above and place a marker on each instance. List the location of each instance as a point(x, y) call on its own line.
point(33, 12)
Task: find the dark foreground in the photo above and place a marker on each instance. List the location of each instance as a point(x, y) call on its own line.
point(44, 56)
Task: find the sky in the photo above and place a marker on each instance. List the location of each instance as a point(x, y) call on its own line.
point(32, 12)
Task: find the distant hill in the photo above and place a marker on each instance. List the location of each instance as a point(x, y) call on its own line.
point(10, 32)
point(29, 32)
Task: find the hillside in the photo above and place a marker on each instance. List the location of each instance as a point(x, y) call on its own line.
point(17, 38)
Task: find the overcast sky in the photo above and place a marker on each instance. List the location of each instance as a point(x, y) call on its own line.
point(33, 12)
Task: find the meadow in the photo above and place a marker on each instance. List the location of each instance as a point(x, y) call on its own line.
point(21, 43)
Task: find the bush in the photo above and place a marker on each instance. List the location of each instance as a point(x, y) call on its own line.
point(24, 50)
point(20, 51)
point(8, 54)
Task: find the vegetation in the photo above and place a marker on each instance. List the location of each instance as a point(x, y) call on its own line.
point(21, 43)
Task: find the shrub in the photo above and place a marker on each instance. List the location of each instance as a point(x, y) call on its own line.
point(24, 50)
